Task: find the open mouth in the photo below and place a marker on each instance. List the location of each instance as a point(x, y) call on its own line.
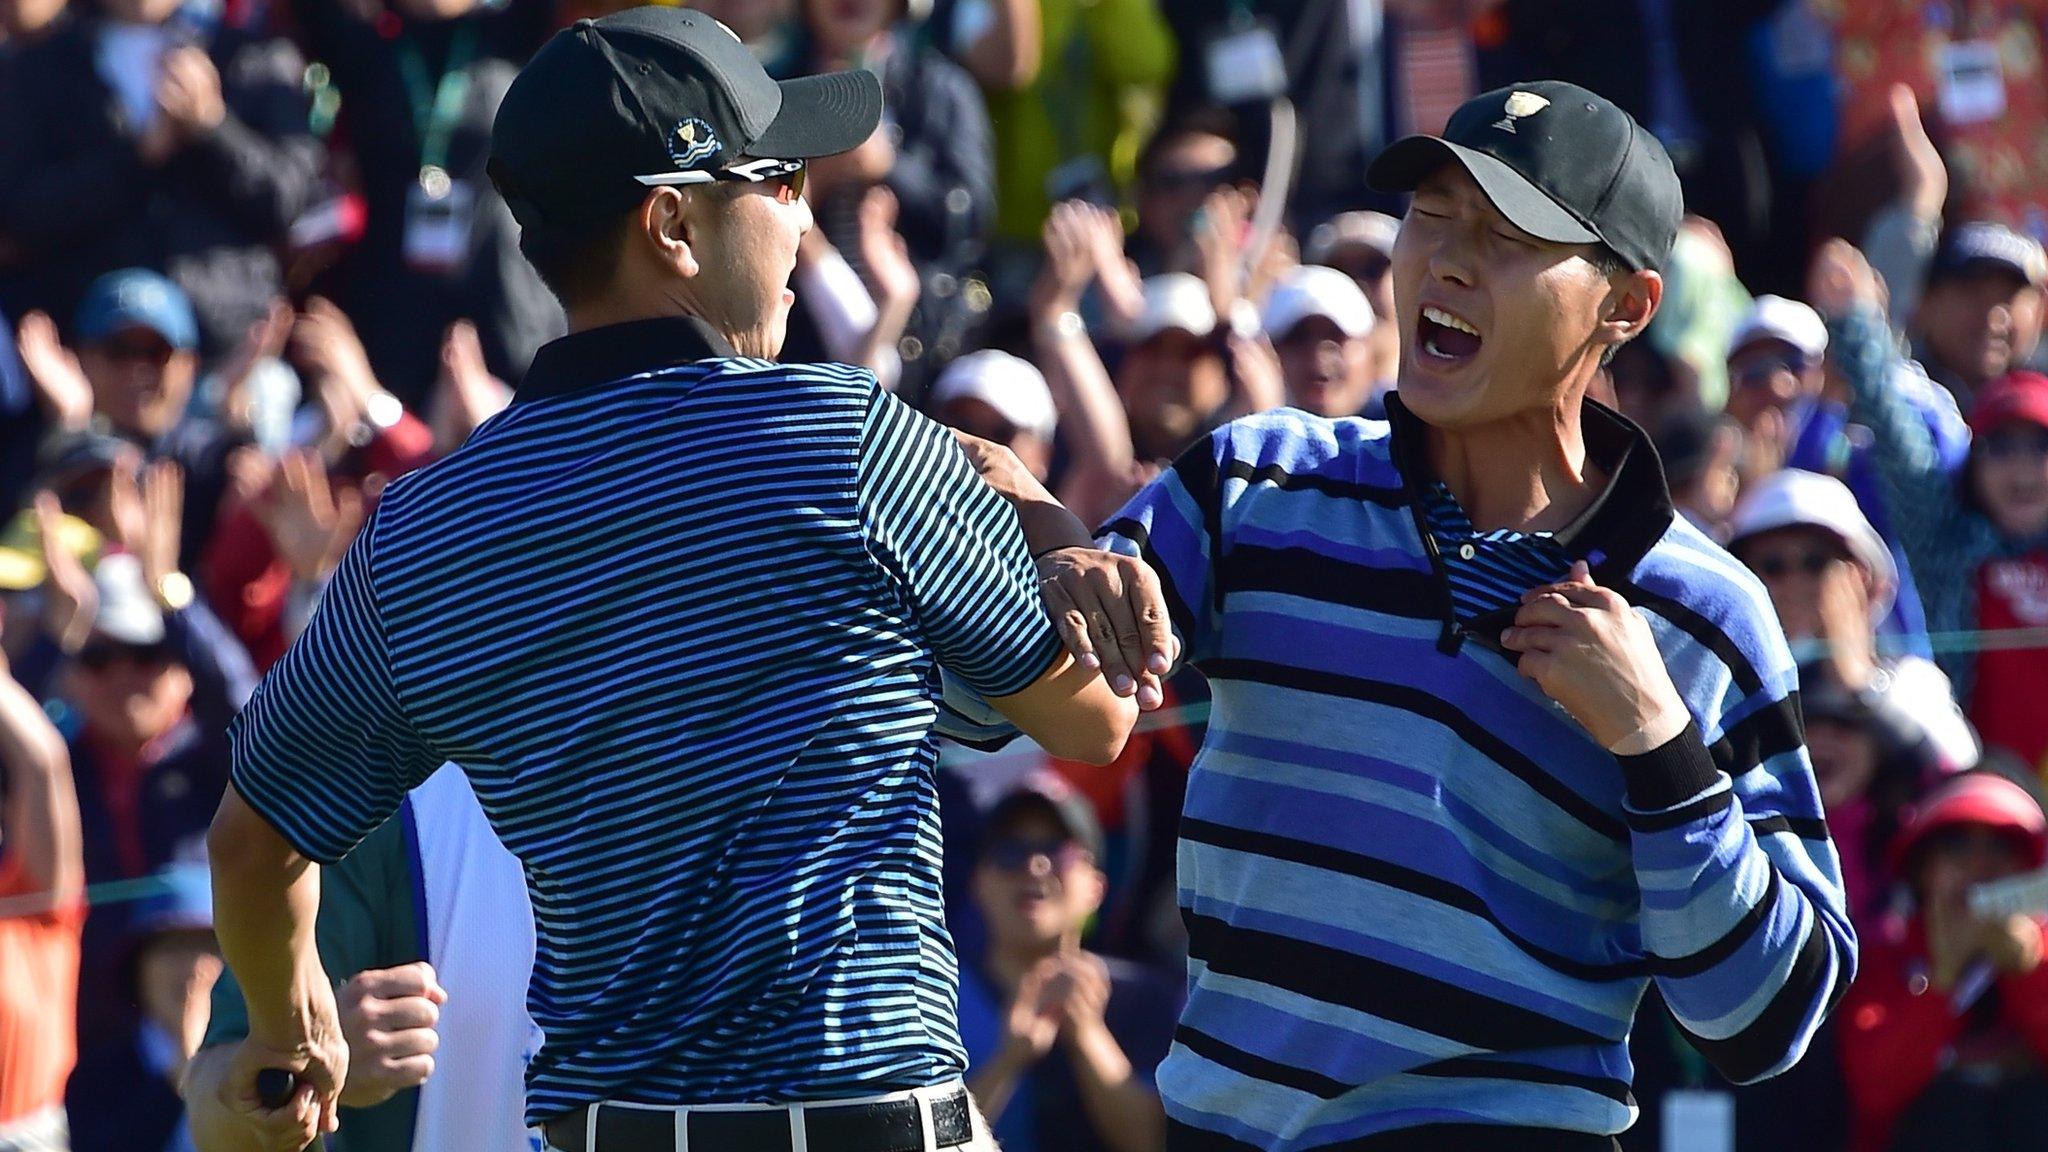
point(1445, 336)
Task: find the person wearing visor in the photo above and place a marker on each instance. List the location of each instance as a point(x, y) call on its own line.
point(1497, 740)
point(702, 718)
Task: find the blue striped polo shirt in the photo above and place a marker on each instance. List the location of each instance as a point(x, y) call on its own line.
point(1422, 903)
point(1488, 570)
point(680, 617)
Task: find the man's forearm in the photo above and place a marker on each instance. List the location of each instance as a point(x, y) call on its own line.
point(266, 897)
point(993, 1083)
point(1046, 523)
point(1126, 1113)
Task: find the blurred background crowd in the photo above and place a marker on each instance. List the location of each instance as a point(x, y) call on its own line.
point(251, 269)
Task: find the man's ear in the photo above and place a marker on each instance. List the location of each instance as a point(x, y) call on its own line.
point(1632, 300)
point(669, 226)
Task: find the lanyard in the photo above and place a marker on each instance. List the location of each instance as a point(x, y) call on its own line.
point(435, 110)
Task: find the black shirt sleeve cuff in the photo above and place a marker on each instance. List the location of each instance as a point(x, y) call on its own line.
point(1670, 774)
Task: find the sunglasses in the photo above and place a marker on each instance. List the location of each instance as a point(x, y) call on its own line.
point(1780, 566)
point(153, 352)
point(788, 177)
point(1014, 854)
point(1758, 372)
point(2015, 444)
point(994, 431)
point(1186, 181)
point(100, 655)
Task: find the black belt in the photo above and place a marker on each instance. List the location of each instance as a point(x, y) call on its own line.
point(886, 1127)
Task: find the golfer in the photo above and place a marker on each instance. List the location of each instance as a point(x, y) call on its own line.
point(1497, 740)
point(679, 613)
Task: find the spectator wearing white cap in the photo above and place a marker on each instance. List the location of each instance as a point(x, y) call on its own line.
point(1000, 398)
point(1774, 376)
point(1361, 245)
point(1831, 579)
point(1173, 379)
point(1320, 322)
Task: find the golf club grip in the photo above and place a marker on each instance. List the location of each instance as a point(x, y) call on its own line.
point(274, 1087)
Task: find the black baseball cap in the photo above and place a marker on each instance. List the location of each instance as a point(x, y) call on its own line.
point(1987, 244)
point(1046, 792)
point(1562, 163)
point(611, 107)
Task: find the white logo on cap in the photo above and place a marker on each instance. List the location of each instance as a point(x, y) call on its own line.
point(693, 141)
point(1520, 104)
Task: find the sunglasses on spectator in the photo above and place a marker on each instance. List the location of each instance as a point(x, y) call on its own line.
point(2023, 443)
point(138, 350)
point(788, 177)
point(1758, 372)
point(1015, 854)
point(100, 655)
point(1370, 266)
point(1188, 180)
point(994, 431)
point(1780, 565)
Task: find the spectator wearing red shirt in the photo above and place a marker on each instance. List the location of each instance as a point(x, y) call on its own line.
point(42, 906)
point(1945, 1032)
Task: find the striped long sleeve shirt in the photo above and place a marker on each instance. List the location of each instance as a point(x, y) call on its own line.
point(1419, 896)
point(679, 616)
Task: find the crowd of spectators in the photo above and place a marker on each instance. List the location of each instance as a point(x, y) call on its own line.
point(252, 269)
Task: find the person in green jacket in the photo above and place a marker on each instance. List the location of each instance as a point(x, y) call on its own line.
point(431, 896)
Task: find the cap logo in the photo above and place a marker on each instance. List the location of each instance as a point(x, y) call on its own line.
point(1520, 104)
point(692, 141)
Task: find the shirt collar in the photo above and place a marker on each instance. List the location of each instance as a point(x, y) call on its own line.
point(1623, 522)
point(601, 355)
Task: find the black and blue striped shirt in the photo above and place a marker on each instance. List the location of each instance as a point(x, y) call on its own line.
point(680, 618)
point(1488, 571)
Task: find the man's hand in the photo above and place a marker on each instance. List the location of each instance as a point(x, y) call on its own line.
point(163, 521)
point(1071, 252)
point(2012, 944)
point(1589, 651)
point(1845, 624)
point(1841, 280)
point(263, 340)
point(188, 92)
point(388, 1016)
point(1255, 366)
point(61, 387)
point(1117, 278)
point(1219, 244)
point(1032, 1025)
point(1088, 998)
point(1111, 614)
point(1923, 178)
point(467, 393)
point(1109, 610)
point(310, 524)
point(325, 342)
point(71, 601)
point(318, 1060)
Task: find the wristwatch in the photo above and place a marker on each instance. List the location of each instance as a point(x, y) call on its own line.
point(174, 591)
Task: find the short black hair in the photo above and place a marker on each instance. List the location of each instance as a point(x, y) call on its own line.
point(577, 261)
point(1608, 262)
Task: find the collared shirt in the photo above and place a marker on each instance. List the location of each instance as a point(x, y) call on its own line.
point(1488, 570)
point(1417, 892)
point(679, 616)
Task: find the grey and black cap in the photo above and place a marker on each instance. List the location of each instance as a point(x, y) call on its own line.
point(1562, 163)
point(656, 95)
